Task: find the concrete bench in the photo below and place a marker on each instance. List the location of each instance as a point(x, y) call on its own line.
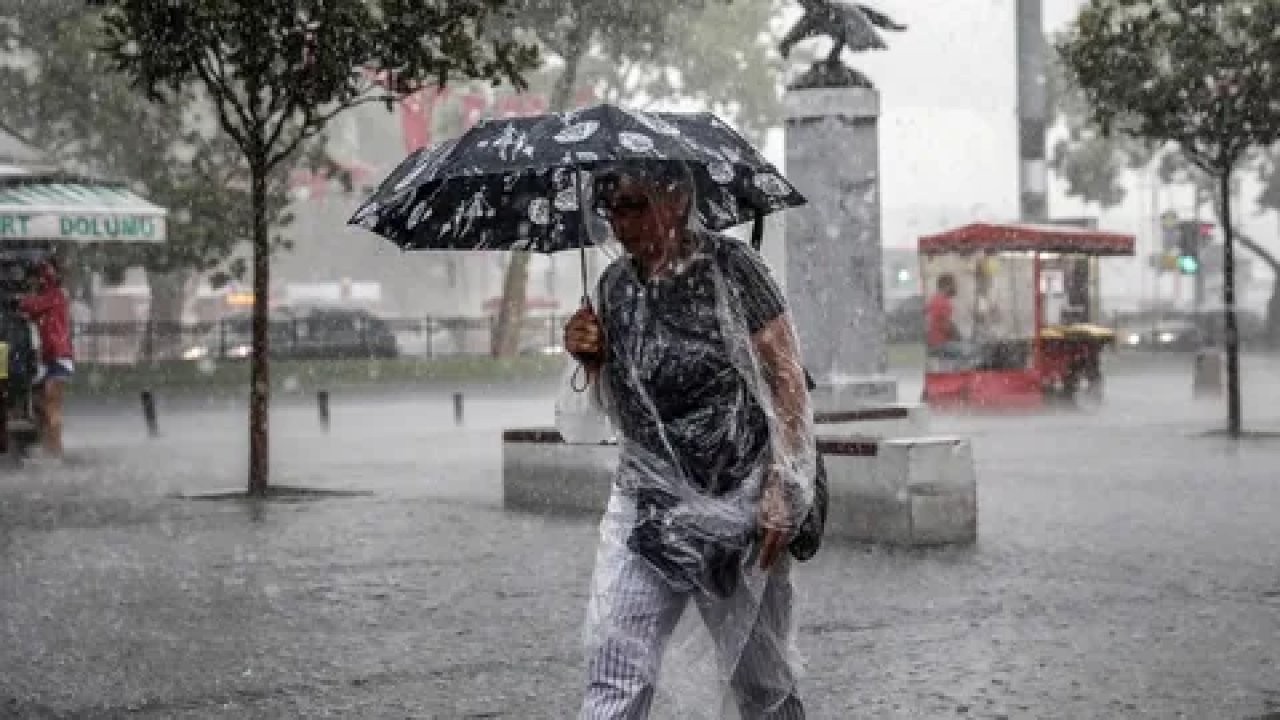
point(908, 491)
point(902, 491)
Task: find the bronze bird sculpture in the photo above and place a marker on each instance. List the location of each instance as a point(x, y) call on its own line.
point(850, 25)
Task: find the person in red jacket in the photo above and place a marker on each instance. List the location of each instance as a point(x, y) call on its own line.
point(48, 308)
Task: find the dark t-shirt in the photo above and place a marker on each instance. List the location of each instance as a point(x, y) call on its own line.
point(670, 369)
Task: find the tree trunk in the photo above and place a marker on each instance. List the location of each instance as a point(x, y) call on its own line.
point(259, 375)
point(1229, 308)
point(511, 314)
point(168, 296)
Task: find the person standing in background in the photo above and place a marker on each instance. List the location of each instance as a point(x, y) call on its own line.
point(49, 309)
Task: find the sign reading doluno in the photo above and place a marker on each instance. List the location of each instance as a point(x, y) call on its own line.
point(81, 227)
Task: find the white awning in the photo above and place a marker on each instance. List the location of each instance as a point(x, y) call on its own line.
point(61, 207)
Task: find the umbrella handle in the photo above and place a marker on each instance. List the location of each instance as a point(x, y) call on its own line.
point(757, 231)
point(582, 262)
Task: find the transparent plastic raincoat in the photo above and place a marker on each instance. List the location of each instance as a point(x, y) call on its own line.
point(701, 381)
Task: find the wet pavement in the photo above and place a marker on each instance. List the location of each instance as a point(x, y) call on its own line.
point(1127, 567)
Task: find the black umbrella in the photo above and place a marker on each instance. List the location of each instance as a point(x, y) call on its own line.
point(519, 183)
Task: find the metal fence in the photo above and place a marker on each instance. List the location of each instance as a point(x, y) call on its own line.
point(426, 337)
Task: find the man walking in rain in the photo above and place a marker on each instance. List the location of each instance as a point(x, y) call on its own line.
point(691, 351)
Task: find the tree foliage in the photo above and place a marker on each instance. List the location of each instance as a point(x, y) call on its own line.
point(1201, 73)
point(57, 91)
point(724, 57)
point(1090, 162)
point(275, 73)
point(278, 71)
point(1093, 166)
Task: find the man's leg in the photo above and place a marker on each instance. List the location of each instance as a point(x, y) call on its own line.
point(764, 676)
point(632, 615)
point(52, 416)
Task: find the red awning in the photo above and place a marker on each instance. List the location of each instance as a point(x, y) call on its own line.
point(1001, 237)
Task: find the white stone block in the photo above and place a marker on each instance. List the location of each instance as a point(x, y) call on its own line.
point(542, 472)
point(911, 491)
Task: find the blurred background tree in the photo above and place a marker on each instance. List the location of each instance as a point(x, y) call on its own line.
point(1098, 169)
point(275, 75)
point(62, 95)
point(1199, 73)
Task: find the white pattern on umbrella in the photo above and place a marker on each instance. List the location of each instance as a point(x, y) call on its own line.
point(427, 160)
point(540, 211)
point(720, 172)
point(510, 143)
point(420, 213)
point(567, 200)
point(655, 123)
point(369, 211)
point(577, 133)
point(467, 213)
point(731, 154)
point(635, 142)
point(772, 184)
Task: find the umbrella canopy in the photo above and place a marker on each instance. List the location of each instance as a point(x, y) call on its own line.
point(519, 183)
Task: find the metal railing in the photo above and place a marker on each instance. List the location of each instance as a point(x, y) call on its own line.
point(130, 343)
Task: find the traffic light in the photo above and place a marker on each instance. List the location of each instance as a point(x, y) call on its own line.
point(1192, 236)
point(1169, 230)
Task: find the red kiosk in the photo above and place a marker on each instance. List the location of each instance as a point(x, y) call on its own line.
point(1011, 314)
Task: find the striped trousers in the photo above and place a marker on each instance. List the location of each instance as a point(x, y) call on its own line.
point(635, 612)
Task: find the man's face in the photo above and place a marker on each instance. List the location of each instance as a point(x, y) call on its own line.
point(643, 215)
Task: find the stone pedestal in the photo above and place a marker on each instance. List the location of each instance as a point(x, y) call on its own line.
point(833, 273)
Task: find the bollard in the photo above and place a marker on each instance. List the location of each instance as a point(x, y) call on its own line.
point(457, 408)
point(1207, 373)
point(149, 413)
point(322, 405)
point(4, 415)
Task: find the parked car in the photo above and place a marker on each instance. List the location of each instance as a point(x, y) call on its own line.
point(317, 332)
point(1180, 330)
point(1163, 335)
